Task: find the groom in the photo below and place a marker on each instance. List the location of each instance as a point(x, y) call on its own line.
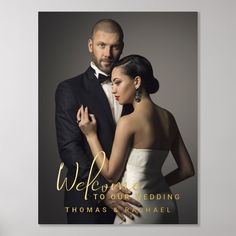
point(92, 89)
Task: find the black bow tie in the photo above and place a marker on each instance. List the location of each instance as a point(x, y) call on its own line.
point(102, 78)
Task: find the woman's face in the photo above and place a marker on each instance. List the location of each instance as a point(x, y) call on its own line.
point(123, 87)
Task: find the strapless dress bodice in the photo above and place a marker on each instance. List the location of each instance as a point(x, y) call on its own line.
point(147, 161)
point(143, 168)
point(144, 178)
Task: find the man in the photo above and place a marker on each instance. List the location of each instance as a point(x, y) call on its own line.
point(92, 89)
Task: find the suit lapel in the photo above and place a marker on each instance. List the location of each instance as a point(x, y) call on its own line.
point(97, 95)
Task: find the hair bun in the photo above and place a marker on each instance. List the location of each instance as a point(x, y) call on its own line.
point(136, 65)
point(152, 85)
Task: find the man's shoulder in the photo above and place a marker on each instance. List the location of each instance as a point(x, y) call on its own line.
point(74, 81)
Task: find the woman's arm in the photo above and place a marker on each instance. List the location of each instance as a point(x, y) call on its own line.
point(111, 168)
point(185, 166)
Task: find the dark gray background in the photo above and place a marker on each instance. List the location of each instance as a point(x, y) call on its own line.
point(167, 39)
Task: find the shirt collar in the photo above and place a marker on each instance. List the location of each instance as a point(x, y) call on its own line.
point(97, 71)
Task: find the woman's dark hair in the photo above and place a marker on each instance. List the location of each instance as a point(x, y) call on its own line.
point(136, 65)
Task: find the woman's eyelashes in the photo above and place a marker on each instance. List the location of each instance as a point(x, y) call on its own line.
point(117, 82)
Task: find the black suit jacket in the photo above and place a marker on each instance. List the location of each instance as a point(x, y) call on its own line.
point(86, 90)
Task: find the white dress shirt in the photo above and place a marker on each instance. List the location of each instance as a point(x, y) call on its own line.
point(116, 108)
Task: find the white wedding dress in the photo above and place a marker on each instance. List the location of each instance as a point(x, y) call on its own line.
point(144, 178)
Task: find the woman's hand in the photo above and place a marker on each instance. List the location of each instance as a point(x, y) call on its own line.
point(87, 126)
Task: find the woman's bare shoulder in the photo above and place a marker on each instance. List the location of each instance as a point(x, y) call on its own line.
point(166, 115)
point(126, 122)
point(164, 112)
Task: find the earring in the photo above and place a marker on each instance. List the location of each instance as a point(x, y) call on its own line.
point(137, 95)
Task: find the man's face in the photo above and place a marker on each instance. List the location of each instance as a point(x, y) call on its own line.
point(105, 49)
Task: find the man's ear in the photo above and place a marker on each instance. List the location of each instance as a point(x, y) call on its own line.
point(137, 82)
point(90, 45)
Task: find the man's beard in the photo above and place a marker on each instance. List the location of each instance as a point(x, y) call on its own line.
point(106, 69)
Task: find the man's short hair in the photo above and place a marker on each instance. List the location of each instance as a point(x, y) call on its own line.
point(109, 26)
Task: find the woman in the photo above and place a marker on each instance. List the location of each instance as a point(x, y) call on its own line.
point(142, 142)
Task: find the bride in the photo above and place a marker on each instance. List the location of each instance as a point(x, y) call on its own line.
point(142, 142)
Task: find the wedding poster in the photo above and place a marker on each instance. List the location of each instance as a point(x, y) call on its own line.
point(169, 41)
